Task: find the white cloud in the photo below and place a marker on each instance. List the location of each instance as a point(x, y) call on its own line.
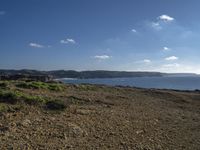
point(171, 65)
point(102, 57)
point(134, 30)
point(166, 48)
point(147, 61)
point(68, 41)
point(171, 58)
point(35, 45)
point(166, 18)
point(161, 21)
point(2, 12)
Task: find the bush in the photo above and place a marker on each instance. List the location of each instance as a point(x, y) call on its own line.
point(11, 97)
point(55, 87)
point(56, 105)
point(33, 100)
point(3, 85)
point(32, 85)
point(8, 96)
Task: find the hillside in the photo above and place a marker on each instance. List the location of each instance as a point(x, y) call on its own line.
point(37, 115)
point(93, 74)
point(82, 74)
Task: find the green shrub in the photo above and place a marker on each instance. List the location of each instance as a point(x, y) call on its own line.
point(33, 100)
point(3, 108)
point(10, 96)
point(55, 87)
point(41, 85)
point(13, 97)
point(32, 85)
point(17, 97)
point(24, 85)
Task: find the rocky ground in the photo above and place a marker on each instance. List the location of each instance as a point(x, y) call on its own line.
point(102, 117)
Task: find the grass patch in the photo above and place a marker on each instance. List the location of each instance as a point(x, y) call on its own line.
point(3, 108)
point(41, 85)
point(77, 101)
point(16, 96)
point(33, 100)
point(56, 87)
point(87, 87)
point(12, 97)
point(32, 85)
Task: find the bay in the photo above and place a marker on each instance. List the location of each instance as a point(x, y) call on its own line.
point(177, 83)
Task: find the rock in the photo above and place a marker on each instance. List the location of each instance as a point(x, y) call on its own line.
point(139, 132)
point(27, 137)
point(26, 123)
point(52, 118)
point(74, 131)
point(38, 120)
point(83, 112)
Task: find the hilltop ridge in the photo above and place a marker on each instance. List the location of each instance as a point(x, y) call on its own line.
point(92, 74)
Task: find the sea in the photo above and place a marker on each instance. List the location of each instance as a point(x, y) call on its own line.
point(176, 83)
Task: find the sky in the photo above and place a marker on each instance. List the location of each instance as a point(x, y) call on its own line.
point(123, 35)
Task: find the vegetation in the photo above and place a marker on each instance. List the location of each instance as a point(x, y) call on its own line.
point(16, 94)
point(3, 108)
point(14, 97)
point(3, 84)
point(56, 105)
point(40, 85)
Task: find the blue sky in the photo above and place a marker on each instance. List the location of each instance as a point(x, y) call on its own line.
point(130, 35)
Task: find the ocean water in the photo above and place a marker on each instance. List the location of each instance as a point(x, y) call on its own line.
point(177, 83)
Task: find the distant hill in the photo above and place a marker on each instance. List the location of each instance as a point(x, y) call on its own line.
point(83, 74)
point(90, 74)
point(181, 75)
